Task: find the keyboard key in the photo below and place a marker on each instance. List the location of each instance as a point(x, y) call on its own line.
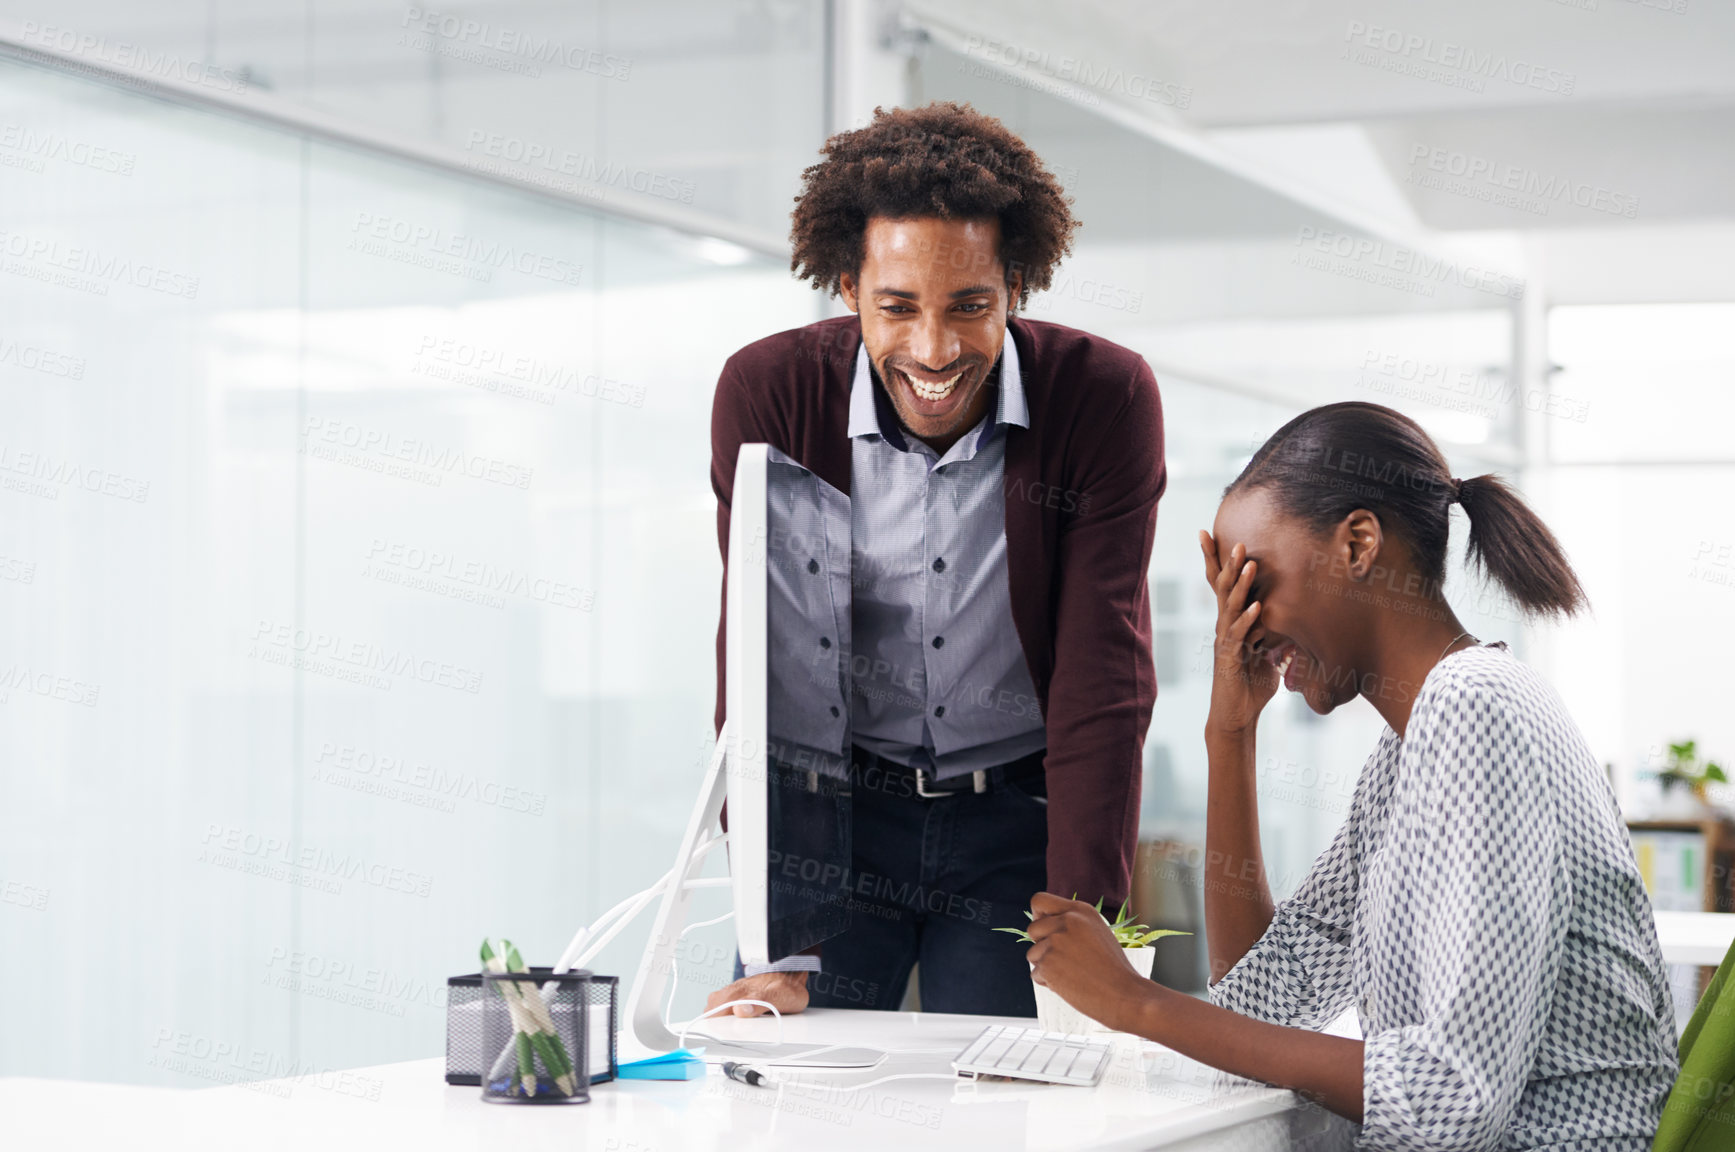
point(1060, 1063)
point(976, 1048)
point(1039, 1057)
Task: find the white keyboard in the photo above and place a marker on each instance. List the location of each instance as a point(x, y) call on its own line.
point(1032, 1054)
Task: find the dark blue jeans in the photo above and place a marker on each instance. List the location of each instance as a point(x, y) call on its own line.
point(931, 880)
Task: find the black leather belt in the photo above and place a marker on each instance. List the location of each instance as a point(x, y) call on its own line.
point(1026, 772)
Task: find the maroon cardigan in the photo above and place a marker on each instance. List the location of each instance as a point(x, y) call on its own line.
point(1082, 484)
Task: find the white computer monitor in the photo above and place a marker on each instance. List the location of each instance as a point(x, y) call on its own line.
point(745, 662)
point(782, 762)
point(786, 699)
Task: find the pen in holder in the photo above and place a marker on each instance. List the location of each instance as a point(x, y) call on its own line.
point(534, 1037)
point(464, 1028)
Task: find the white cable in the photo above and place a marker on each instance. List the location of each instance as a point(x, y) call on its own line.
point(681, 1040)
point(620, 914)
point(630, 907)
point(592, 938)
point(810, 1052)
point(675, 963)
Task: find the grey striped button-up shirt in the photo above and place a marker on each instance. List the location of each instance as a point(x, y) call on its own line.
point(937, 671)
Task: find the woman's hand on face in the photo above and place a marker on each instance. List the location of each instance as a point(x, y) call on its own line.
point(1076, 955)
point(1243, 681)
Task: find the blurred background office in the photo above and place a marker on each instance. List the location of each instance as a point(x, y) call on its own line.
point(358, 569)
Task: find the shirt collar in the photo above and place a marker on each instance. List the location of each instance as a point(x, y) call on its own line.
point(871, 412)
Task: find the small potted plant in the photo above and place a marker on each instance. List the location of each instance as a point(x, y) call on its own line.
point(1682, 769)
point(1054, 1014)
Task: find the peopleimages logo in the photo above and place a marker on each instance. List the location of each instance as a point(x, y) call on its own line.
point(35, 358)
point(527, 47)
point(542, 379)
point(480, 575)
point(1447, 61)
point(47, 685)
point(49, 145)
point(133, 57)
point(54, 474)
point(372, 232)
point(361, 656)
point(345, 443)
point(578, 165)
point(102, 268)
point(229, 846)
point(1073, 69)
point(224, 1062)
point(394, 776)
point(1380, 260)
point(1512, 185)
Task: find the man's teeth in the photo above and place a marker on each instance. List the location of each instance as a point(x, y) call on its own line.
point(1288, 658)
point(932, 392)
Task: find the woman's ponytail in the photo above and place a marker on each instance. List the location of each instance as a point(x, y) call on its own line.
point(1514, 548)
point(1331, 460)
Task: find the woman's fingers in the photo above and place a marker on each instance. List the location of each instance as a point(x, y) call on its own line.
point(1227, 576)
point(1033, 956)
point(1243, 585)
point(1047, 903)
point(1232, 600)
point(1209, 547)
point(1239, 627)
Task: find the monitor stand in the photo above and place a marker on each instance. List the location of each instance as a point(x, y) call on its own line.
point(650, 986)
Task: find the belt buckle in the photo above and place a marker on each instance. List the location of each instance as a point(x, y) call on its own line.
point(978, 783)
point(922, 787)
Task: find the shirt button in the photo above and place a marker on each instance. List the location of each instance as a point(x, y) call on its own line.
point(939, 563)
point(939, 641)
point(825, 641)
point(940, 711)
point(834, 711)
point(813, 566)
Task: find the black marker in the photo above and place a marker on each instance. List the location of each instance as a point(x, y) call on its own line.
point(744, 1074)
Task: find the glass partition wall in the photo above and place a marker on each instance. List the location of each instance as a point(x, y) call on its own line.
point(361, 579)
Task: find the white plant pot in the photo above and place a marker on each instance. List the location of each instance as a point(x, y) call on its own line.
point(1055, 1015)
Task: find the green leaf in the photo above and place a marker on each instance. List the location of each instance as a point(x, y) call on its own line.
point(1713, 772)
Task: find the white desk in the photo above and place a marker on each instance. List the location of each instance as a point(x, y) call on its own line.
point(1151, 1098)
point(1695, 937)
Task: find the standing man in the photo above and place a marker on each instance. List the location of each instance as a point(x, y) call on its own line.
point(1004, 476)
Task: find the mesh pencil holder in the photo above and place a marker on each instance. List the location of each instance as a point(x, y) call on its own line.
point(464, 1028)
point(535, 1031)
point(600, 1042)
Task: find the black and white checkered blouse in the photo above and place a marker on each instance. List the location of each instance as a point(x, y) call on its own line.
point(1482, 910)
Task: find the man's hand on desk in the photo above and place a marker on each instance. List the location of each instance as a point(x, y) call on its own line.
point(787, 990)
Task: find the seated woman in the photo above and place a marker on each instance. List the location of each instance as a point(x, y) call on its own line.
point(1480, 908)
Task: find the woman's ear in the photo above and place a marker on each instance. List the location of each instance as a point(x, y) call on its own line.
point(1360, 534)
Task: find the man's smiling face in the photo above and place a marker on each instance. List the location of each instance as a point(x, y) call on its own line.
point(933, 297)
